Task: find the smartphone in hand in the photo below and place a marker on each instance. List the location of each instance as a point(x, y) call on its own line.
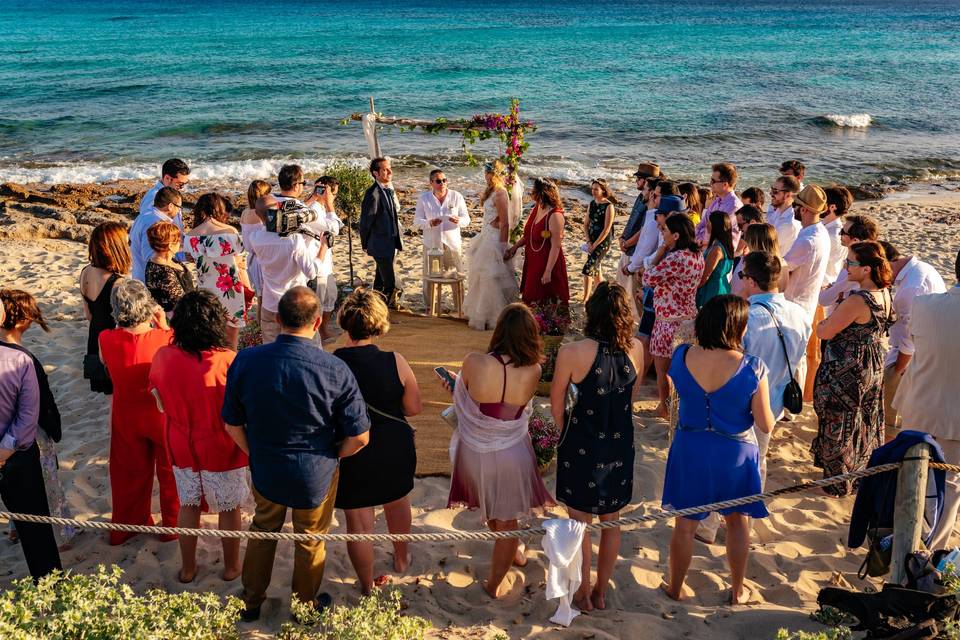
point(446, 376)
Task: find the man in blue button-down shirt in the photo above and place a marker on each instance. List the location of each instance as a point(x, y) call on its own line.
point(167, 207)
point(174, 173)
point(295, 410)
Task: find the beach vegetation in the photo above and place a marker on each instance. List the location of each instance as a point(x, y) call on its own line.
point(354, 181)
point(839, 633)
point(376, 617)
point(99, 605)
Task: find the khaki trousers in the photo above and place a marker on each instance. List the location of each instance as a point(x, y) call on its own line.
point(813, 355)
point(308, 557)
point(269, 326)
point(951, 496)
point(891, 382)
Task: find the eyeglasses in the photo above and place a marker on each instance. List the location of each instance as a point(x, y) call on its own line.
point(721, 181)
point(844, 232)
point(774, 190)
point(853, 263)
point(743, 275)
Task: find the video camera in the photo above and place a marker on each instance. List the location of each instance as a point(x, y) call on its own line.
point(290, 216)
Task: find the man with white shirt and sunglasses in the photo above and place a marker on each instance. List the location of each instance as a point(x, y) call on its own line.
point(441, 213)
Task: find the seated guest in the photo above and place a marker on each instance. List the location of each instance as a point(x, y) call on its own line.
point(21, 476)
point(167, 207)
point(22, 312)
point(294, 446)
point(855, 229)
point(912, 277)
point(848, 388)
point(927, 396)
point(109, 259)
point(724, 398)
point(595, 459)
point(717, 258)
point(494, 466)
point(771, 316)
point(390, 390)
point(217, 250)
point(188, 379)
point(167, 278)
point(138, 447)
point(673, 275)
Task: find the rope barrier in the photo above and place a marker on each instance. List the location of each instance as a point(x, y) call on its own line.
point(456, 535)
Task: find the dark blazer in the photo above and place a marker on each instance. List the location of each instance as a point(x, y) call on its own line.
point(379, 224)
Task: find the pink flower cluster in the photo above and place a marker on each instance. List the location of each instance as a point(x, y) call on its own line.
point(544, 435)
point(227, 282)
point(553, 318)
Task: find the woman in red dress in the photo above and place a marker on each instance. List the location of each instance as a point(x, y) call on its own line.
point(189, 378)
point(137, 447)
point(544, 276)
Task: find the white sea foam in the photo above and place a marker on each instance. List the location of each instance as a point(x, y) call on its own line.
point(852, 120)
point(96, 172)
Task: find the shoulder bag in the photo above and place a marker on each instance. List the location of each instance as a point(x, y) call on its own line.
point(793, 393)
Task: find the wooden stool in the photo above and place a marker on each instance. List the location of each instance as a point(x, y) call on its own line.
point(435, 291)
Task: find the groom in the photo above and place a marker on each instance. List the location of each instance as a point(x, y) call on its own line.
point(380, 229)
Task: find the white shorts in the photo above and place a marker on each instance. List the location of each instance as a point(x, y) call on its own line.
point(327, 292)
point(222, 490)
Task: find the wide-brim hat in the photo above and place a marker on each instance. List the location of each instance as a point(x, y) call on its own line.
point(670, 204)
point(812, 197)
point(647, 170)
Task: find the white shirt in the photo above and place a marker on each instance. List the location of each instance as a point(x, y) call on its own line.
point(447, 232)
point(916, 278)
point(327, 221)
point(807, 261)
point(788, 227)
point(841, 288)
point(284, 263)
point(838, 252)
point(647, 243)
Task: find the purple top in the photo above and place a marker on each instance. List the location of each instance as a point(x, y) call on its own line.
point(729, 203)
point(19, 400)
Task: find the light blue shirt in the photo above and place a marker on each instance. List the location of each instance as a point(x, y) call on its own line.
point(140, 246)
point(761, 340)
point(146, 205)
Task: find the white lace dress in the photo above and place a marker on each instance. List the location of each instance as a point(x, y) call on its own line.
point(491, 282)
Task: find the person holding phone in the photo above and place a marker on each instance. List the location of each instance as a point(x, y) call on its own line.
point(494, 466)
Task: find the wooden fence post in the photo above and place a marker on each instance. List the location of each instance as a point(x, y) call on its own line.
point(908, 510)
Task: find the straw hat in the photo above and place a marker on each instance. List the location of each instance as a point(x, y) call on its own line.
point(812, 197)
point(647, 170)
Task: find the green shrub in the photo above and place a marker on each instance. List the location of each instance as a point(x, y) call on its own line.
point(354, 181)
point(74, 605)
point(376, 617)
point(840, 633)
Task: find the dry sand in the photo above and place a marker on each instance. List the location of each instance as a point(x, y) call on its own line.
point(795, 552)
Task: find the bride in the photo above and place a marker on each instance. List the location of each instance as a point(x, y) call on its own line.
point(491, 281)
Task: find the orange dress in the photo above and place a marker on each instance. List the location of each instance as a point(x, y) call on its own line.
point(138, 450)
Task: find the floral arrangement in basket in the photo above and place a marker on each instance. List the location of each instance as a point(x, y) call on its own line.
point(250, 335)
point(545, 436)
point(553, 317)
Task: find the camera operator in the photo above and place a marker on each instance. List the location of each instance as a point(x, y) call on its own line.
point(326, 189)
point(286, 261)
point(291, 182)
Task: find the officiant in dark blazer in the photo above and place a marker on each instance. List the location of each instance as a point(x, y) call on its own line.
point(380, 229)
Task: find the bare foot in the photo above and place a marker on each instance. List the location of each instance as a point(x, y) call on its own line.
point(229, 575)
point(495, 593)
point(582, 602)
point(520, 560)
point(670, 594)
point(401, 563)
point(738, 598)
point(186, 577)
point(598, 600)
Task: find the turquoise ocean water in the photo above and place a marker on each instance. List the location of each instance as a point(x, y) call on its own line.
point(863, 90)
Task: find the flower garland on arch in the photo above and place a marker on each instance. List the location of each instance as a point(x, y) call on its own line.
point(508, 128)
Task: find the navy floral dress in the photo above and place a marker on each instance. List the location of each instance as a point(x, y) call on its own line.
point(598, 216)
point(595, 455)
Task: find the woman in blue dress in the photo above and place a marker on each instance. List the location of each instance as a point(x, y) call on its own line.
point(714, 455)
point(595, 455)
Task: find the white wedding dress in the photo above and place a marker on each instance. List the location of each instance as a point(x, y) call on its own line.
point(491, 281)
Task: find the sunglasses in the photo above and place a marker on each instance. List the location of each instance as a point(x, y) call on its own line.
point(853, 263)
point(774, 190)
point(438, 181)
point(743, 275)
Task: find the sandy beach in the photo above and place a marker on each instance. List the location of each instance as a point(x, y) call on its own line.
point(798, 550)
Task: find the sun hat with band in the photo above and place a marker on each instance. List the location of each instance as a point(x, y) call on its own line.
point(812, 197)
point(647, 170)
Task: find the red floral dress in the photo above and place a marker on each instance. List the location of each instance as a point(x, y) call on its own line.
point(674, 281)
point(216, 260)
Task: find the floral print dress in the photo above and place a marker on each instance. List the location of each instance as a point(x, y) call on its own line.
point(216, 260)
point(674, 282)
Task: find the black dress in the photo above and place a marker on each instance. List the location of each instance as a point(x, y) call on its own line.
point(595, 455)
point(167, 284)
point(101, 319)
point(383, 470)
